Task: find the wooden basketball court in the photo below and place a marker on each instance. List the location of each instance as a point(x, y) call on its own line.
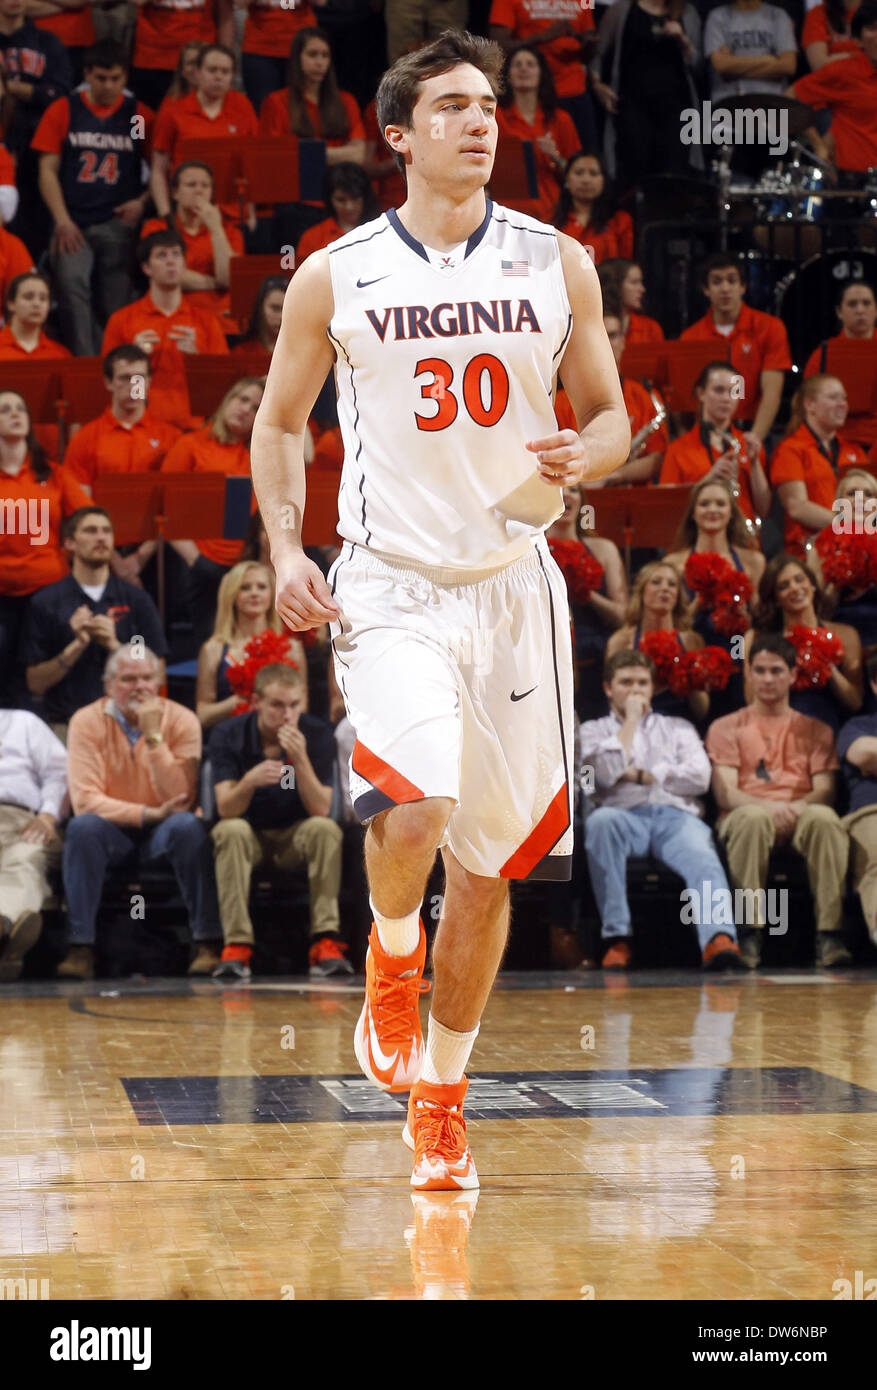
point(643, 1137)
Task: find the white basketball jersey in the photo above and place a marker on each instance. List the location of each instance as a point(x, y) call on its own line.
point(442, 375)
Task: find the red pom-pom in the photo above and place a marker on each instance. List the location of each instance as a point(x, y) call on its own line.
point(818, 650)
point(710, 668)
point(582, 573)
point(663, 650)
point(265, 649)
point(723, 591)
point(848, 561)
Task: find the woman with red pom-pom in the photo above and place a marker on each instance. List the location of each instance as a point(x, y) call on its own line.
point(829, 682)
point(245, 608)
point(659, 622)
point(845, 562)
point(714, 528)
point(596, 610)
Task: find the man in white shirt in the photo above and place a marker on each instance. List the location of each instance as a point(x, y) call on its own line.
point(649, 769)
point(750, 47)
point(33, 796)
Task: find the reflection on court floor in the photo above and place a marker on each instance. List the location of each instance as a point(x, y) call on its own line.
point(658, 1138)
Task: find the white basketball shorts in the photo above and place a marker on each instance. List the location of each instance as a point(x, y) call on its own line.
point(460, 686)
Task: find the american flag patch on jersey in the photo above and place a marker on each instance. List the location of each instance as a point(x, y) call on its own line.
point(515, 267)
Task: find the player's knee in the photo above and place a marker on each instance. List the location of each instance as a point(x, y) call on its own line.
point(417, 826)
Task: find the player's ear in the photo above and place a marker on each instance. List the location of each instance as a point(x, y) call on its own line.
point(398, 139)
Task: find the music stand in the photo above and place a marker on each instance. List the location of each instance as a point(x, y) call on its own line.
point(83, 396)
point(132, 500)
point(611, 516)
point(513, 180)
point(247, 274)
point(655, 514)
point(208, 376)
point(855, 363)
point(645, 362)
point(685, 362)
point(320, 521)
point(38, 384)
point(282, 168)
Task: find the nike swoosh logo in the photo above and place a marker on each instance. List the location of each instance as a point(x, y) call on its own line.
point(525, 694)
point(364, 284)
point(379, 1060)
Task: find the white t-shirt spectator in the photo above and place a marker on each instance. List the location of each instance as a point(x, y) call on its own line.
point(764, 32)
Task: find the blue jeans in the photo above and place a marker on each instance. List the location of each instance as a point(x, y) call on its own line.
point(677, 838)
point(262, 75)
point(92, 844)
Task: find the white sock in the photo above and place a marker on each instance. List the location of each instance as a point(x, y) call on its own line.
point(399, 936)
point(446, 1054)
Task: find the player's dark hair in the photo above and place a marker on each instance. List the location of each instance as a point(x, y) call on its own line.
point(547, 92)
point(334, 119)
point(721, 260)
point(767, 616)
point(352, 179)
point(777, 645)
point(864, 18)
point(146, 247)
point(125, 352)
point(400, 85)
point(602, 207)
point(39, 459)
point(106, 53)
point(71, 523)
point(628, 657)
point(17, 281)
point(851, 285)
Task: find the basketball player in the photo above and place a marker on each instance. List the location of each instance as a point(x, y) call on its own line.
point(446, 322)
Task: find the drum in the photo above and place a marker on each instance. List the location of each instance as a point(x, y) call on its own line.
point(787, 226)
point(805, 298)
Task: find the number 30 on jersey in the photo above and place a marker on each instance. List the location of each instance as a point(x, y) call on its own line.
point(483, 411)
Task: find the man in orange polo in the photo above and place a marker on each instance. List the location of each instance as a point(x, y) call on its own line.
point(165, 326)
point(758, 343)
point(848, 89)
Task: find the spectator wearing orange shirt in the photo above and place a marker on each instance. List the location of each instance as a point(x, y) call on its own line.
point(758, 343)
point(625, 280)
point(584, 209)
point(848, 89)
point(269, 30)
point(826, 33)
point(165, 326)
point(264, 325)
point(185, 78)
point(222, 446)
point(380, 163)
point(805, 464)
point(707, 449)
point(644, 462)
point(127, 437)
point(27, 307)
point(35, 498)
point(212, 112)
point(163, 26)
point(312, 107)
point(15, 260)
point(91, 181)
point(350, 201)
point(562, 29)
point(71, 22)
point(856, 309)
point(527, 110)
point(209, 239)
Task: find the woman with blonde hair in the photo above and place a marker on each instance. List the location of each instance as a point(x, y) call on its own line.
point(657, 604)
point(220, 446)
point(805, 464)
point(244, 609)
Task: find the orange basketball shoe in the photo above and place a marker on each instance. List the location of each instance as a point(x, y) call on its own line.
point(388, 1042)
point(436, 1131)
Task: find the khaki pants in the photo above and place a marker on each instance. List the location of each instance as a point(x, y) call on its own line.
point(410, 22)
point(23, 883)
point(748, 834)
point(238, 848)
point(861, 826)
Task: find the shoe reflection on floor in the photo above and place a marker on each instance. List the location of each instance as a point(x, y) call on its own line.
point(438, 1243)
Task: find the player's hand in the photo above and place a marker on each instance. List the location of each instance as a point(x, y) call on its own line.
point(303, 597)
point(560, 458)
point(67, 239)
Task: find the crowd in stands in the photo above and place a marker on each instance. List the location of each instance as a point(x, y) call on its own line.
point(726, 679)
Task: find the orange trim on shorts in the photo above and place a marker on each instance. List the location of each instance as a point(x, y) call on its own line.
point(381, 775)
point(542, 838)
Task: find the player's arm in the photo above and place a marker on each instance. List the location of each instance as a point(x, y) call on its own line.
point(590, 379)
point(303, 358)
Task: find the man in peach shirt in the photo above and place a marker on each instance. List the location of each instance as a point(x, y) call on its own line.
point(133, 771)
